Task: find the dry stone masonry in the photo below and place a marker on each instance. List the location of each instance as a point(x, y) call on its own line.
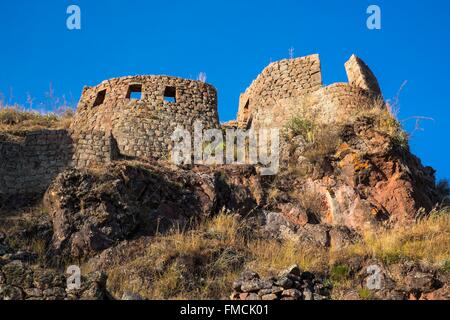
point(122, 118)
point(29, 163)
point(291, 284)
point(290, 87)
point(134, 117)
point(138, 115)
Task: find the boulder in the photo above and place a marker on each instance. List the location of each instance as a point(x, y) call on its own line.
point(421, 282)
point(92, 211)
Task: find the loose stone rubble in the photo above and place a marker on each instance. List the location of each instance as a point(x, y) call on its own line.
point(20, 280)
point(290, 284)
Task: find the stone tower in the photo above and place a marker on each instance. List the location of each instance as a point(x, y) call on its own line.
point(136, 116)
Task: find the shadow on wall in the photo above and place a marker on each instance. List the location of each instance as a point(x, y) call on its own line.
point(29, 163)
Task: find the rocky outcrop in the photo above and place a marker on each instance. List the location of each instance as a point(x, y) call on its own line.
point(92, 211)
point(383, 175)
point(276, 225)
point(365, 179)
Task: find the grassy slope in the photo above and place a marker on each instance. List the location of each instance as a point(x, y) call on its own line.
point(202, 263)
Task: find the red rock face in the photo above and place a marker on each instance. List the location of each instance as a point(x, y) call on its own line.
point(396, 197)
point(379, 181)
point(294, 214)
point(368, 180)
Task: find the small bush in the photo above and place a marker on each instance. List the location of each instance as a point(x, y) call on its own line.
point(446, 267)
point(299, 126)
point(365, 294)
point(322, 139)
point(339, 273)
point(326, 141)
point(385, 120)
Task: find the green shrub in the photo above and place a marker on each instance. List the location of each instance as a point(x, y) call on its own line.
point(339, 273)
point(365, 294)
point(301, 127)
point(322, 139)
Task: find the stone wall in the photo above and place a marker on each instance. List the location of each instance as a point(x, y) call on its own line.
point(122, 118)
point(360, 75)
point(29, 163)
point(293, 87)
point(95, 148)
point(134, 117)
point(280, 80)
point(141, 127)
point(329, 104)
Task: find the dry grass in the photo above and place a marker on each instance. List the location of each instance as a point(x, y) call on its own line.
point(427, 241)
point(196, 264)
point(203, 263)
point(15, 118)
point(322, 140)
point(312, 200)
point(271, 256)
point(385, 120)
point(22, 228)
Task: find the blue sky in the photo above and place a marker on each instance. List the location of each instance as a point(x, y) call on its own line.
point(232, 41)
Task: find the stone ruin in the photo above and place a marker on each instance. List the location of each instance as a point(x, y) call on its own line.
point(288, 87)
point(122, 118)
point(134, 117)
